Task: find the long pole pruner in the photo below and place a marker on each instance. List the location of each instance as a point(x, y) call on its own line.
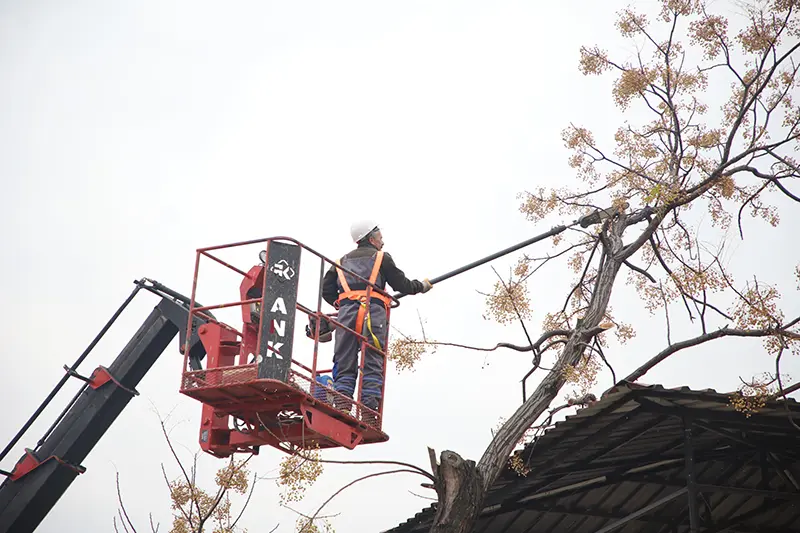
point(585, 221)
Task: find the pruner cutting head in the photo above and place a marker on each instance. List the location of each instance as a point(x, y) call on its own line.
point(600, 215)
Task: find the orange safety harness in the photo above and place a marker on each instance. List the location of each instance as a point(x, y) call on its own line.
point(362, 298)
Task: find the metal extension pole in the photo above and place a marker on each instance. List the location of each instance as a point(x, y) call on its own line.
point(554, 231)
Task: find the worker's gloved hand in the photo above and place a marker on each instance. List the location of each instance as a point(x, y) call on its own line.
point(426, 285)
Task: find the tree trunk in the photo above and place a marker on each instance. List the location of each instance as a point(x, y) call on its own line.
point(460, 488)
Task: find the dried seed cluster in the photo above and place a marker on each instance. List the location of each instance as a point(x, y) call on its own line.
point(748, 404)
point(297, 474)
point(187, 497)
point(318, 525)
point(518, 465)
point(753, 395)
point(507, 300)
point(406, 352)
point(583, 375)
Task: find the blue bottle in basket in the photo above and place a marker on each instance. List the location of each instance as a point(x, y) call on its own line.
point(321, 393)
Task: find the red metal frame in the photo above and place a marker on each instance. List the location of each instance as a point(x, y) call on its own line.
point(298, 413)
point(28, 463)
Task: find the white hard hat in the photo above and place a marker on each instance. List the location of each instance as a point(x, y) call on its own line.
point(362, 228)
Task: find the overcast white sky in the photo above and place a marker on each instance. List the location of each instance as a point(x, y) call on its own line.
point(132, 133)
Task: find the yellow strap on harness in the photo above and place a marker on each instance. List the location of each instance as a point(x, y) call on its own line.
point(375, 340)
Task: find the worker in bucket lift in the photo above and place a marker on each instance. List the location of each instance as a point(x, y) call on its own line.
point(345, 292)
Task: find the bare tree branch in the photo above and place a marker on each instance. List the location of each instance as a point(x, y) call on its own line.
point(189, 481)
point(639, 271)
point(510, 346)
point(421, 496)
point(223, 490)
point(321, 517)
point(723, 332)
point(247, 501)
point(583, 274)
point(770, 178)
point(362, 478)
point(685, 295)
point(122, 507)
point(785, 161)
point(668, 270)
point(745, 204)
point(787, 391)
point(780, 382)
point(153, 528)
point(603, 357)
point(416, 468)
point(121, 521)
point(186, 516)
point(666, 313)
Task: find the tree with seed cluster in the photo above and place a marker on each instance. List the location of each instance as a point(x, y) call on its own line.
point(196, 509)
point(640, 197)
point(638, 200)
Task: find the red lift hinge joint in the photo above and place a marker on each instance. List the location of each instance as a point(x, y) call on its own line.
point(100, 377)
point(29, 463)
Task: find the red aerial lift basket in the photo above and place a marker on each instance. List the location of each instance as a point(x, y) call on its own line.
point(255, 391)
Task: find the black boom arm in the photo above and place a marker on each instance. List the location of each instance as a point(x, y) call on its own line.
point(44, 473)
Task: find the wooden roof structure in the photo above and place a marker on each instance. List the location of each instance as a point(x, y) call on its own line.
point(647, 459)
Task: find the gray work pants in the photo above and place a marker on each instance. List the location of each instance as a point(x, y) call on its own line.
point(346, 350)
